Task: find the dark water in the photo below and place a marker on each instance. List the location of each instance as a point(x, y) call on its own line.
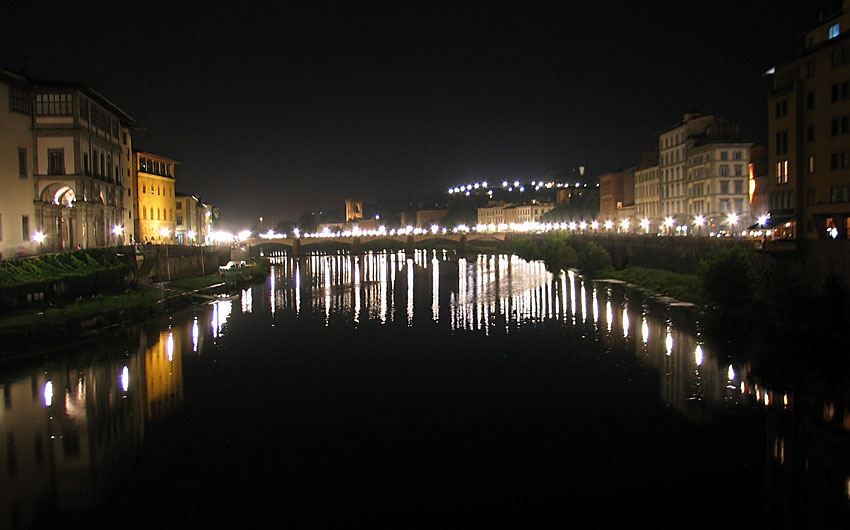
point(418, 391)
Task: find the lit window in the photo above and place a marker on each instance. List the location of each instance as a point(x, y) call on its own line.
point(834, 30)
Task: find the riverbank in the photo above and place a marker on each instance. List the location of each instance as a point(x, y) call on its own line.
point(38, 330)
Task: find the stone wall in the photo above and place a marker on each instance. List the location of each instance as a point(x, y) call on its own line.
point(176, 261)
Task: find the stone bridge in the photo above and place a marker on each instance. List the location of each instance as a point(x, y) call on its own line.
point(356, 243)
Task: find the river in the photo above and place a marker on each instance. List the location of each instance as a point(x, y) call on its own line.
point(417, 391)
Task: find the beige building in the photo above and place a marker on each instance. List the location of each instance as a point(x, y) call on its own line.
point(718, 186)
point(157, 206)
point(674, 146)
point(809, 135)
point(17, 162)
point(647, 200)
point(77, 166)
point(525, 213)
point(130, 194)
point(491, 215)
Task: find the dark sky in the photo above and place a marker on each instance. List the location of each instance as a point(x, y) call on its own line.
point(275, 110)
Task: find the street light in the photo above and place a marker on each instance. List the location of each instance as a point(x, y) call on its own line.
point(644, 223)
point(732, 220)
point(38, 237)
point(699, 221)
point(669, 222)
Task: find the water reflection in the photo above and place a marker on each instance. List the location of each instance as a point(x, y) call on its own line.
point(71, 429)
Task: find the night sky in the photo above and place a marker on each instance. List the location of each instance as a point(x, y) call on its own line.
point(277, 110)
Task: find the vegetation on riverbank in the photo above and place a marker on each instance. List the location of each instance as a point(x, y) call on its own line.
point(63, 321)
point(53, 267)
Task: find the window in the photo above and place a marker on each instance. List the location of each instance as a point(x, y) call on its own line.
point(810, 196)
point(724, 171)
point(179, 205)
point(724, 186)
point(737, 155)
point(724, 155)
point(56, 161)
point(739, 187)
point(810, 68)
point(25, 227)
point(781, 110)
point(84, 108)
point(810, 133)
point(144, 212)
point(739, 205)
point(811, 163)
point(19, 100)
point(810, 101)
point(22, 162)
point(53, 104)
point(180, 218)
point(724, 205)
point(782, 143)
point(782, 172)
point(834, 30)
point(739, 170)
point(833, 93)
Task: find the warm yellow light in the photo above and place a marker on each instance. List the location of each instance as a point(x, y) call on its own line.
point(164, 231)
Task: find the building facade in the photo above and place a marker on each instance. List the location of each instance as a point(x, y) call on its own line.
point(809, 135)
point(718, 187)
point(17, 163)
point(647, 203)
point(61, 166)
point(77, 167)
point(157, 205)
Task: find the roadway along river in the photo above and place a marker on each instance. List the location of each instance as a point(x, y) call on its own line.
point(414, 391)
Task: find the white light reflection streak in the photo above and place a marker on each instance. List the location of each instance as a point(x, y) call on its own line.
point(410, 292)
point(272, 294)
point(48, 393)
point(626, 323)
point(435, 288)
point(248, 300)
point(169, 347)
point(297, 288)
point(125, 379)
point(195, 334)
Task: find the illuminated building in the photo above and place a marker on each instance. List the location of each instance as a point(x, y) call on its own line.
point(17, 214)
point(190, 219)
point(77, 166)
point(130, 193)
point(156, 209)
point(718, 185)
point(646, 195)
point(809, 134)
point(63, 171)
point(491, 214)
point(353, 210)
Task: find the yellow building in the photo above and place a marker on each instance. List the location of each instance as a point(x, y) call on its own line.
point(156, 209)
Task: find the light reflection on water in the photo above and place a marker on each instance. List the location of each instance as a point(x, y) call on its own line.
point(70, 429)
